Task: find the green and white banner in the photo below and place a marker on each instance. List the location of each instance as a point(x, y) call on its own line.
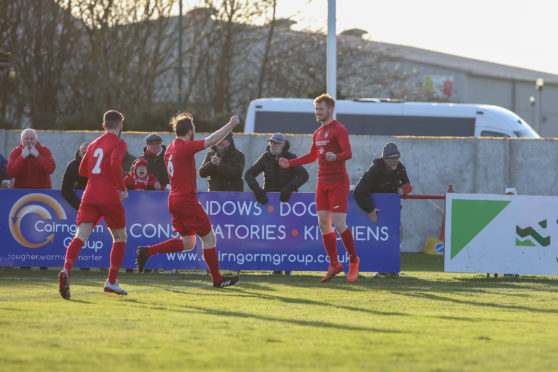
point(506, 234)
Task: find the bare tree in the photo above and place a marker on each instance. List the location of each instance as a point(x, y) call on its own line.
point(127, 47)
point(40, 35)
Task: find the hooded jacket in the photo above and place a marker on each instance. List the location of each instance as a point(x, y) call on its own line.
point(379, 179)
point(157, 165)
point(31, 172)
point(73, 181)
point(133, 182)
point(228, 175)
point(275, 178)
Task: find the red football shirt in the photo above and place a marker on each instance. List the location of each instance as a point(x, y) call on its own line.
point(102, 164)
point(181, 166)
point(332, 137)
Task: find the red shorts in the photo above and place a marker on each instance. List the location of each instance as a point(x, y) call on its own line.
point(332, 197)
point(189, 217)
point(113, 212)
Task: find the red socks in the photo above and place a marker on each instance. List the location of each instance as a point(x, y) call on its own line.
point(212, 262)
point(330, 244)
point(347, 237)
point(116, 258)
point(72, 254)
point(172, 245)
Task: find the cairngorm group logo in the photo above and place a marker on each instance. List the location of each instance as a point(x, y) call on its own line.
point(528, 236)
point(33, 204)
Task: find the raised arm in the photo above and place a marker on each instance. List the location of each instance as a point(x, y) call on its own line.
point(217, 136)
point(304, 159)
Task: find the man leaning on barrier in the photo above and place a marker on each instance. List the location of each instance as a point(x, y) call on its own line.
point(275, 178)
point(385, 175)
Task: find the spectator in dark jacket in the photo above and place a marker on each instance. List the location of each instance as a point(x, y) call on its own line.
point(275, 178)
point(224, 165)
point(3, 166)
point(385, 175)
point(154, 153)
point(72, 180)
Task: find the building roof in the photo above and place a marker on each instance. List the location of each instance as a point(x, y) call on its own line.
point(468, 65)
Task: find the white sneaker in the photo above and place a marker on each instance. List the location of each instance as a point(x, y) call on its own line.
point(114, 288)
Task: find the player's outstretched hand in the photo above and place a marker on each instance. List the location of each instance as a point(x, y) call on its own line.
point(234, 121)
point(283, 163)
point(124, 195)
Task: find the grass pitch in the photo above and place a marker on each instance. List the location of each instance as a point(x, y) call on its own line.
point(423, 320)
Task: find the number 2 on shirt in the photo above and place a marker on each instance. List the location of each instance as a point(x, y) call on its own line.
point(99, 155)
point(170, 167)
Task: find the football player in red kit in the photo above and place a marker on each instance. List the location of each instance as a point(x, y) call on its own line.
point(332, 148)
point(188, 216)
point(103, 195)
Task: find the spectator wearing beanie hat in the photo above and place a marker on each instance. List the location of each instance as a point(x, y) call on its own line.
point(224, 166)
point(140, 178)
point(385, 175)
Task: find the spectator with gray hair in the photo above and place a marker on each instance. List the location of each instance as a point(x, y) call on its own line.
point(275, 178)
point(31, 163)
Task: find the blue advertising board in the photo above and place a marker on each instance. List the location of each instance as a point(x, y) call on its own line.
point(37, 225)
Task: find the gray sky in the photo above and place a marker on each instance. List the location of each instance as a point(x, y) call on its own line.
point(513, 32)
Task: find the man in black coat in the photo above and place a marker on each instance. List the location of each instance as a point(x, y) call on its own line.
point(154, 154)
point(224, 166)
point(385, 175)
point(275, 178)
point(72, 180)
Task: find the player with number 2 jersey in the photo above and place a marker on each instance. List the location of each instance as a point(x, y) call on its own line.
point(102, 164)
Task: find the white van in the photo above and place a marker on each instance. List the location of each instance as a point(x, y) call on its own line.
point(390, 118)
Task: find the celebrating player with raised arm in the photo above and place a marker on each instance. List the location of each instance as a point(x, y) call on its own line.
point(188, 216)
point(332, 148)
point(103, 196)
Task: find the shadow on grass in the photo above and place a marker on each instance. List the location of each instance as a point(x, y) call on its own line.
point(442, 298)
point(237, 314)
